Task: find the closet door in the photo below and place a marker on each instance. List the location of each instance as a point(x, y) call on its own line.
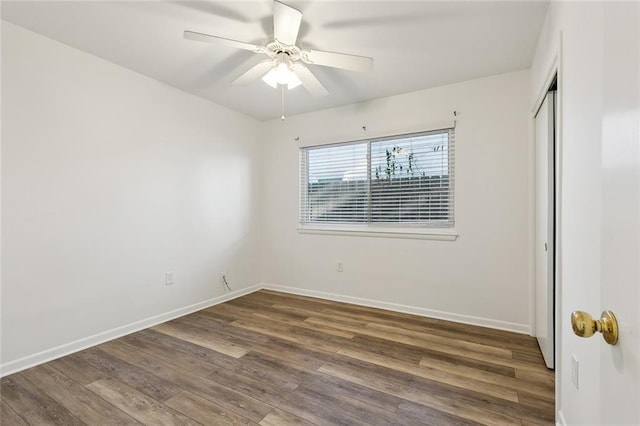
point(544, 241)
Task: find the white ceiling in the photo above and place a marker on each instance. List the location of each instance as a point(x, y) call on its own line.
point(415, 44)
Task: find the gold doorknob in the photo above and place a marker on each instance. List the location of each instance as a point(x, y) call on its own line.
point(584, 325)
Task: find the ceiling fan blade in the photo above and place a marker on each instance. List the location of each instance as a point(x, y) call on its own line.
point(286, 23)
point(309, 81)
point(254, 72)
point(192, 35)
point(338, 60)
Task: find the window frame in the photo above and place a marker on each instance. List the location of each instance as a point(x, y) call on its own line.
point(412, 230)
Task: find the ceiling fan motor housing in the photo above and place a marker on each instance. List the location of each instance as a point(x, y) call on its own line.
point(276, 47)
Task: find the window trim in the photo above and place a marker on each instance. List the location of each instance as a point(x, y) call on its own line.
point(372, 230)
point(408, 230)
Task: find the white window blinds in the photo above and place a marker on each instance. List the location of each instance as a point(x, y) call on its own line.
point(404, 179)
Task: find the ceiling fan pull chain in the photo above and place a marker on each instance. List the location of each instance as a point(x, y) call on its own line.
point(282, 97)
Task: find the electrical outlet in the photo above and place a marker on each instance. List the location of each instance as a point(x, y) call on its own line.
point(339, 267)
point(168, 278)
point(575, 371)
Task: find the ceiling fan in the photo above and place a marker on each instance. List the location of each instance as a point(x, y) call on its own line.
point(287, 63)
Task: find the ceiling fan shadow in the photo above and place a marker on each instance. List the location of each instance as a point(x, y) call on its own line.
point(213, 8)
point(377, 20)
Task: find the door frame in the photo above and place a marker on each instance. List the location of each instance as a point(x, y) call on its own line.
point(554, 71)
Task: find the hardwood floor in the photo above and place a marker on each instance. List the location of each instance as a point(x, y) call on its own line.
point(270, 358)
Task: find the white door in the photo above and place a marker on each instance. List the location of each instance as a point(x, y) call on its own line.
point(544, 249)
point(620, 277)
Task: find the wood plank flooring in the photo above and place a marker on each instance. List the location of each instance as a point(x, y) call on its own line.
point(271, 358)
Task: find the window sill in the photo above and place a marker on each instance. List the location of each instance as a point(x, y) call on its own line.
point(382, 232)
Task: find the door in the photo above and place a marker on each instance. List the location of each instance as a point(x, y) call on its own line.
point(620, 224)
point(545, 229)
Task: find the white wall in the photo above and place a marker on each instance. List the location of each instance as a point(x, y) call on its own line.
point(484, 276)
point(110, 179)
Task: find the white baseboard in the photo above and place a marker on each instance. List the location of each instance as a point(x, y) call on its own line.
point(464, 319)
point(86, 342)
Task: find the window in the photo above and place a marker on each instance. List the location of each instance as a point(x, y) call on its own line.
point(398, 180)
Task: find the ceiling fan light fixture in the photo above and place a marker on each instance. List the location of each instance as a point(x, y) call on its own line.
point(282, 74)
